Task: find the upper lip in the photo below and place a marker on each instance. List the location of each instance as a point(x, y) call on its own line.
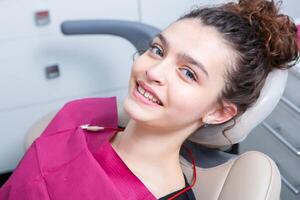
point(148, 89)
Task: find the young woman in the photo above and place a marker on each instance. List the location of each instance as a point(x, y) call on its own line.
point(208, 67)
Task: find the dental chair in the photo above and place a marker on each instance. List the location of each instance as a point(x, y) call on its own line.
point(220, 175)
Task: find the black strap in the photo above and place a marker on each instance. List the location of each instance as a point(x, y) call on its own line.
point(188, 195)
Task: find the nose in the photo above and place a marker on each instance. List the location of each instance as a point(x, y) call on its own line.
point(157, 74)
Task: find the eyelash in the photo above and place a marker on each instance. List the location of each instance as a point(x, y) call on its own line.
point(152, 46)
point(194, 77)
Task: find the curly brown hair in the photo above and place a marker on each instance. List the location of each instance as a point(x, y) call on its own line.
point(263, 38)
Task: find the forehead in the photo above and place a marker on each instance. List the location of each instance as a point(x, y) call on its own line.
point(192, 32)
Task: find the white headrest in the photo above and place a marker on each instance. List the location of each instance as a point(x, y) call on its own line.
point(212, 136)
point(268, 99)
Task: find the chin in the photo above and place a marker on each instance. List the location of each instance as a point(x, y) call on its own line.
point(130, 108)
point(135, 111)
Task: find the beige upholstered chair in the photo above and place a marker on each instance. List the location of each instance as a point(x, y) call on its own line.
point(221, 176)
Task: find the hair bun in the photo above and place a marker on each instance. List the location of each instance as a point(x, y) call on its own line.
point(278, 31)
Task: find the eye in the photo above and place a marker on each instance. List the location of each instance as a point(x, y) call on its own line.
point(189, 74)
point(156, 50)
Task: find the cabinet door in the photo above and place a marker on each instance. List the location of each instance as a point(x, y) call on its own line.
point(87, 65)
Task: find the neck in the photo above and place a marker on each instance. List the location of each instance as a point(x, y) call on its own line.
point(155, 148)
point(153, 155)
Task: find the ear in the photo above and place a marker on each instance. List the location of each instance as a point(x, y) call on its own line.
point(221, 114)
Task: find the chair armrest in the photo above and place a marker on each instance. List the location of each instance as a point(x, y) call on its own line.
point(253, 175)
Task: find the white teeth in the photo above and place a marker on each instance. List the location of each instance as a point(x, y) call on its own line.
point(141, 90)
point(147, 95)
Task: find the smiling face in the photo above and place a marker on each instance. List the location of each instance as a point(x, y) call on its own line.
point(183, 70)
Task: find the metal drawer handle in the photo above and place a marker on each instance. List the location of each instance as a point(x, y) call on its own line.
point(290, 104)
point(281, 139)
point(288, 184)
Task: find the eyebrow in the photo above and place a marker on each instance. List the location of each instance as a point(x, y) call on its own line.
point(183, 55)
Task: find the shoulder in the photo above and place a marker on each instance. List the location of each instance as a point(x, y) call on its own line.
point(92, 101)
point(64, 133)
point(89, 107)
point(96, 110)
point(78, 109)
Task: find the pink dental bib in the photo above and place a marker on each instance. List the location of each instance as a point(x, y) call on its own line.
point(70, 163)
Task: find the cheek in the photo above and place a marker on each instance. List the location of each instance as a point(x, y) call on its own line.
point(140, 64)
point(134, 68)
point(188, 102)
point(136, 71)
point(191, 103)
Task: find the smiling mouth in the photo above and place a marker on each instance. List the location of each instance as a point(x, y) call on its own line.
point(148, 95)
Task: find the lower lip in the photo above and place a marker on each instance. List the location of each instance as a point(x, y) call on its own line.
point(143, 99)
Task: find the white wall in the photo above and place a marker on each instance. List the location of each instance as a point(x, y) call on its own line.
point(87, 64)
point(292, 8)
point(162, 13)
